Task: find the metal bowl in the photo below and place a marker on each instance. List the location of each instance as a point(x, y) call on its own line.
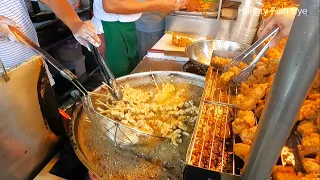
point(201, 52)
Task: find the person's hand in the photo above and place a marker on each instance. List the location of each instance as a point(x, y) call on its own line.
point(284, 20)
point(5, 33)
point(85, 33)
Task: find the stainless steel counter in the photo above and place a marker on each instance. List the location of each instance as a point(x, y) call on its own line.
point(155, 64)
point(200, 26)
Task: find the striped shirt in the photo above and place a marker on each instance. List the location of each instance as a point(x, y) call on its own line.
point(12, 53)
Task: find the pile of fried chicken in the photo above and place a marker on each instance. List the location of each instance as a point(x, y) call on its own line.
point(181, 41)
point(250, 101)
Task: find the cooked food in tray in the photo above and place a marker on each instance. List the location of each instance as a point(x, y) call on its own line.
point(165, 110)
point(288, 173)
point(249, 99)
point(245, 120)
point(307, 127)
point(241, 150)
point(247, 135)
point(181, 41)
point(212, 138)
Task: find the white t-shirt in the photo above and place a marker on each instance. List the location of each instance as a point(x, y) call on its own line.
point(12, 53)
point(100, 14)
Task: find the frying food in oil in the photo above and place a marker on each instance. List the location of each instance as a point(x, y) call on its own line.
point(165, 110)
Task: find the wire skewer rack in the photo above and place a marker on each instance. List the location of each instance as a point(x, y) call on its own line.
point(212, 142)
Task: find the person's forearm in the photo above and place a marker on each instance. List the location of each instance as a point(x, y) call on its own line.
point(128, 6)
point(64, 11)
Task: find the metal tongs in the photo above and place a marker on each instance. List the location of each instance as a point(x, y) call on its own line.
point(245, 73)
point(110, 79)
point(67, 74)
point(107, 75)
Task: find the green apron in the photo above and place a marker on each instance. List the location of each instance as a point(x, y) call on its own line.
point(121, 47)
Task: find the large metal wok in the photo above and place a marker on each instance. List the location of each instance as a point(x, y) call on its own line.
point(93, 139)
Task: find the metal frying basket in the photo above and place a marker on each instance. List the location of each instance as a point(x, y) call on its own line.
point(137, 154)
point(121, 134)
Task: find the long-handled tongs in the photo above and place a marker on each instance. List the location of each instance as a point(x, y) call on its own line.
point(115, 89)
point(108, 76)
point(48, 58)
point(245, 73)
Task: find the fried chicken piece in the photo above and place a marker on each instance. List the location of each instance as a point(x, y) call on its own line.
point(283, 169)
point(226, 77)
point(311, 165)
point(313, 96)
point(263, 71)
point(220, 61)
point(305, 128)
point(311, 176)
point(310, 109)
point(181, 42)
point(311, 141)
point(247, 135)
point(310, 145)
point(284, 173)
point(260, 107)
point(244, 120)
point(318, 158)
point(241, 150)
point(284, 176)
point(308, 151)
point(250, 96)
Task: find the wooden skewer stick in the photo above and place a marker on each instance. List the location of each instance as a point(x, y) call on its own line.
point(160, 79)
point(97, 94)
point(103, 104)
point(107, 85)
point(154, 80)
point(111, 108)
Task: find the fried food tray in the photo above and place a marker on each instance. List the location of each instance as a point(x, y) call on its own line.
point(211, 147)
point(214, 147)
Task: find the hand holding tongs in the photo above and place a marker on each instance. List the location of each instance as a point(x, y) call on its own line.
point(245, 73)
point(107, 75)
point(67, 74)
point(115, 91)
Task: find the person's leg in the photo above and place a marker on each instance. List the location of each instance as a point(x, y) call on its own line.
point(128, 31)
point(140, 44)
point(116, 52)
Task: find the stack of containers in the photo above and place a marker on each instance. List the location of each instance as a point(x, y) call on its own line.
point(247, 21)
